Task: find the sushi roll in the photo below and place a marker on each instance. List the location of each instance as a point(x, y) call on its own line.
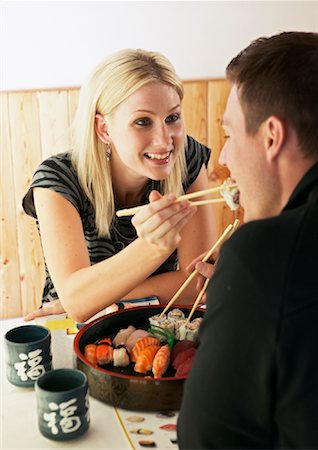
point(193, 329)
point(176, 314)
point(163, 323)
point(231, 195)
point(180, 330)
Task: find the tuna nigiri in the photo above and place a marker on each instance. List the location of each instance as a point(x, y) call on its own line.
point(183, 356)
point(141, 344)
point(145, 359)
point(161, 361)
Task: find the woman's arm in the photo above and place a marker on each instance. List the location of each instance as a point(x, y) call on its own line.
point(85, 290)
point(197, 235)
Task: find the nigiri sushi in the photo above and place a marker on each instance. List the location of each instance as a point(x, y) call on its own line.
point(180, 347)
point(120, 357)
point(122, 335)
point(90, 353)
point(184, 368)
point(104, 351)
point(141, 344)
point(145, 359)
point(133, 338)
point(183, 356)
point(161, 361)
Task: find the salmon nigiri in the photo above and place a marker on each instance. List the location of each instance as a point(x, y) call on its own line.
point(90, 353)
point(133, 338)
point(141, 344)
point(104, 351)
point(161, 361)
point(145, 358)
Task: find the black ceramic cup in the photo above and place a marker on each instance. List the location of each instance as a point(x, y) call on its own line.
point(28, 354)
point(62, 404)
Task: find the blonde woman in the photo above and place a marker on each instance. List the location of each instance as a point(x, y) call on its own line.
point(130, 148)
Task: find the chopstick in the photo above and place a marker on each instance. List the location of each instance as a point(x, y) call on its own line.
point(195, 272)
point(133, 211)
point(202, 291)
point(197, 300)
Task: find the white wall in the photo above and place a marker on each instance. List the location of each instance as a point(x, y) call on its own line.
point(57, 43)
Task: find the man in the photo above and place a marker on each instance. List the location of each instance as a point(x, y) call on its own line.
point(254, 382)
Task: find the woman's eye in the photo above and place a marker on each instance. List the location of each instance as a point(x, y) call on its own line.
point(172, 118)
point(143, 122)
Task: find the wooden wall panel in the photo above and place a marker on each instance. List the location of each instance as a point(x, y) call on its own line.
point(218, 91)
point(9, 265)
point(35, 125)
point(54, 122)
point(195, 108)
point(26, 155)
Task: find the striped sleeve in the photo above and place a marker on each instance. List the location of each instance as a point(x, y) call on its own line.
point(55, 173)
point(196, 155)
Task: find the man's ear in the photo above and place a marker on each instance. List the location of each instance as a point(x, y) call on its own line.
point(274, 137)
point(101, 128)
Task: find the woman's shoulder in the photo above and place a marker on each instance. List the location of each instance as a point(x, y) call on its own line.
point(58, 160)
point(194, 147)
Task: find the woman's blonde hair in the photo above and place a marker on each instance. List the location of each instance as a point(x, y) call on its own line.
point(112, 81)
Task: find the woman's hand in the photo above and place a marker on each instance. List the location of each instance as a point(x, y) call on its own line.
point(48, 309)
point(161, 222)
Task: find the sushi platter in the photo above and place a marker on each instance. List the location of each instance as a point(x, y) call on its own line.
point(120, 374)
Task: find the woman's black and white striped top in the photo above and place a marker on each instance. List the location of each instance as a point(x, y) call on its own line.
point(58, 174)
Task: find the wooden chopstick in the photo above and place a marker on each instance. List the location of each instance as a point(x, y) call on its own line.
point(205, 192)
point(197, 300)
point(204, 288)
point(133, 211)
point(195, 272)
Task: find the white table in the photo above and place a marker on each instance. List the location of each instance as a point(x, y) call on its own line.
point(18, 427)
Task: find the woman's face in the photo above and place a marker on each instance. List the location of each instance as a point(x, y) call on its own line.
point(146, 132)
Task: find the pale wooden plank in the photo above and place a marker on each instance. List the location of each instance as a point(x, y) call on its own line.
point(11, 302)
point(72, 104)
point(195, 109)
point(26, 155)
point(54, 122)
point(218, 91)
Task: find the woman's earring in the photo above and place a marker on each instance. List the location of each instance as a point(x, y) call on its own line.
point(108, 151)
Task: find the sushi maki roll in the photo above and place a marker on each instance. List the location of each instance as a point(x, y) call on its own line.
point(231, 195)
point(176, 314)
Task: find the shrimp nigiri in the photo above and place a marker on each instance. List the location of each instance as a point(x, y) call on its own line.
point(141, 344)
point(145, 358)
point(104, 351)
point(161, 361)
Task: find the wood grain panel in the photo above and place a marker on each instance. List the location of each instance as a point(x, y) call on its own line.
point(195, 108)
point(218, 91)
point(54, 122)
point(10, 264)
point(26, 155)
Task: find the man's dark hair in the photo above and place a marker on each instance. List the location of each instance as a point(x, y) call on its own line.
point(278, 76)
